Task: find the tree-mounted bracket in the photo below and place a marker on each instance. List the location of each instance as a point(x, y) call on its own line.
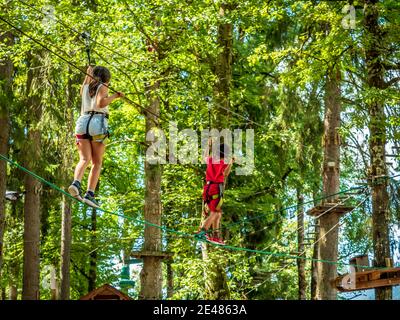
point(377, 180)
point(154, 254)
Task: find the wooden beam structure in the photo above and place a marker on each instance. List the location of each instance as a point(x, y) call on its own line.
point(361, 263)
point(157, 254)
point(328, 208)
point(370, 279)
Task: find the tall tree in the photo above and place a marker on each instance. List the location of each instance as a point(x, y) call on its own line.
point(14, 265)
point(151, 274)
point(301, 263)
point(215, 277)
point(32, 152)
point(66, 238)
point(223, 68)
point(328, 223)
point(93, 254)
point(6, 71)
point(374, 59)
point(314, 265)
point(66, 220)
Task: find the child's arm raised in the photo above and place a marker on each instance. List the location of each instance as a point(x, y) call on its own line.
point(207, 153)
point(103, 100)
point(228, 169)
point(89, 73)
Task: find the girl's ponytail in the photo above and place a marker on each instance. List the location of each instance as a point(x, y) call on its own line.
point(93, 85)
point(100, 75)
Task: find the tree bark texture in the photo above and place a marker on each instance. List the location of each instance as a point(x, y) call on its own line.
point(328, 222)
point(301, 263)
point(377, 142)
point(32, 153)
point(151, 274)
point(6, 97)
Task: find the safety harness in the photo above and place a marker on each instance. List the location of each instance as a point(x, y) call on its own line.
point(219, 195)
point(98, 137)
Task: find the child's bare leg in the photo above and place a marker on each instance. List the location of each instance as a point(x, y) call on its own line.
point(98, 149)
point(209, 221)
point(205, 213)
point(217, 223)
point(85, 156)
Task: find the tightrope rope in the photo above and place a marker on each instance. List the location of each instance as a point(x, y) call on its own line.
point(247, 220)
point(183, 234)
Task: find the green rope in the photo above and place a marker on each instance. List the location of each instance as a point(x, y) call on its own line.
point(183, 234)
point(55, 187)
point(247, 220)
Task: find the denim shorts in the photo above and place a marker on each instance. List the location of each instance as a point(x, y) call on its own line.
point(98, 124)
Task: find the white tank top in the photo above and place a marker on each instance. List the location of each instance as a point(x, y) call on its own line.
point(89, 103)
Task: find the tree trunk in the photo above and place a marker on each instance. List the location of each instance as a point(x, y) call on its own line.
point(223, 72)
point(13, 292)
point(215, 277)
point(66, 221)
point(31, 225)
point(14, 265)
point(6, 71)
point(329, 231)
point(66, 238)
point(216, 284)
point(377, 143)
point(314, 265)
point(151, 274)
point(32, 186)
point(170, 279)
point(170, 270)
point(301, 263)
point(93, 253)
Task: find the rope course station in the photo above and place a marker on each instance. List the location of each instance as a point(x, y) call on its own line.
point(362, 276)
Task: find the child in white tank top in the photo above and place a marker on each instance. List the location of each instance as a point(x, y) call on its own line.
point(91, 130)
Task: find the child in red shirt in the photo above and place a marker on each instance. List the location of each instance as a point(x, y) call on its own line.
point(217, 171)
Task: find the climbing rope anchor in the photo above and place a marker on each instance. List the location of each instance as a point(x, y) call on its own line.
point(86, 36)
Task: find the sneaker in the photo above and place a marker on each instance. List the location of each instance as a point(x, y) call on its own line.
point(75, 190)
point(216, 241)
point(209, 238)
point(90, 200)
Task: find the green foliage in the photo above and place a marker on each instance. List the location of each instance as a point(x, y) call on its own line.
point(282, 52)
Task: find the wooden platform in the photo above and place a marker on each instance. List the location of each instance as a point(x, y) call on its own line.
point(156, 254)
point(329, 208)
point(370, 279)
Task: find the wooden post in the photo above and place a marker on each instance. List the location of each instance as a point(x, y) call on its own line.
point(360, 262)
